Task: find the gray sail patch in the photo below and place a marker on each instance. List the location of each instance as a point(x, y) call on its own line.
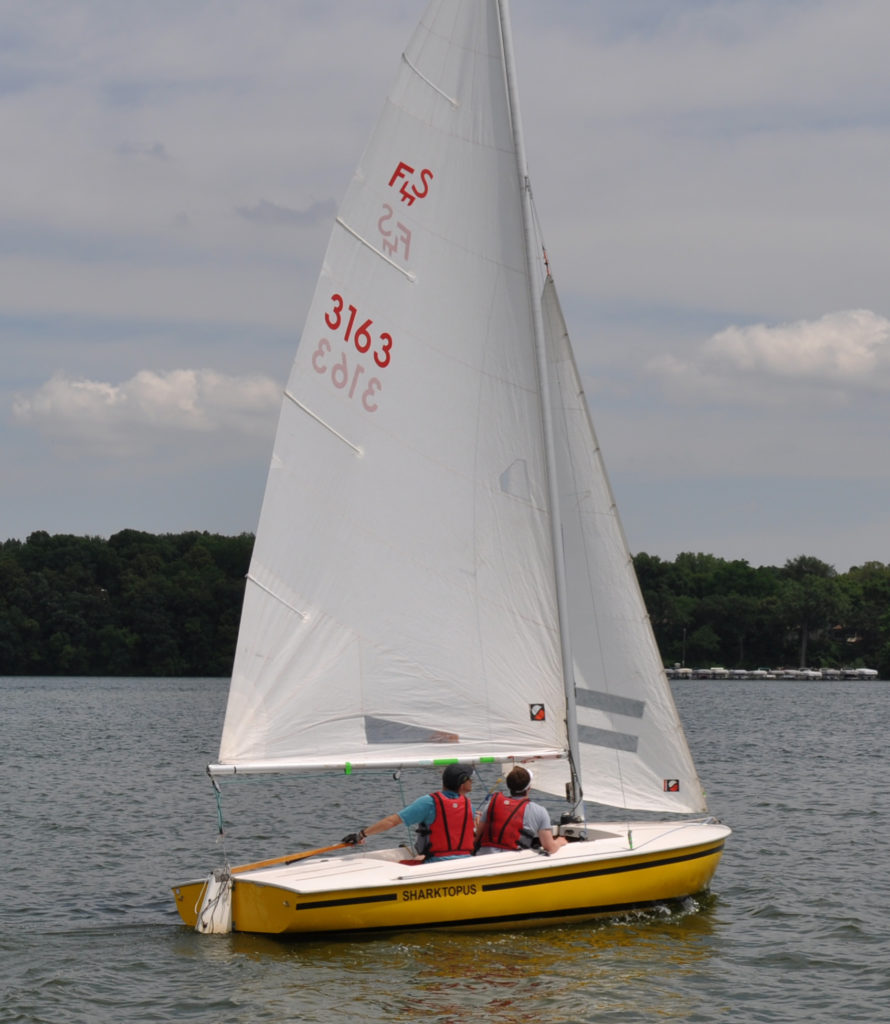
point(606, 738)
point(610, 703)
point(386, 730)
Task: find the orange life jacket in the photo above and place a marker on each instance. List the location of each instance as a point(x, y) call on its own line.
point(451, 834)
point(503, 822)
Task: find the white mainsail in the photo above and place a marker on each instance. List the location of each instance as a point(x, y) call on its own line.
point(401, 605)
point(402, 602)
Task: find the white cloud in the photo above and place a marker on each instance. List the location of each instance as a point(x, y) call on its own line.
point(838, 354)
point(845, 346)
point(151, 410)
point(265, 212)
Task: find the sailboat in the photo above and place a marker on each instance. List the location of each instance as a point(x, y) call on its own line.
point(439, 573)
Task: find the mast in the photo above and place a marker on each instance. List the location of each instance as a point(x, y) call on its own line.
point(575, 795)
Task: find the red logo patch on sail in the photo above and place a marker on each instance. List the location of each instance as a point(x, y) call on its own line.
point(537, 712)
point(672, 785)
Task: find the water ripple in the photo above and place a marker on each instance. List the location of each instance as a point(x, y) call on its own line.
point(106, 804)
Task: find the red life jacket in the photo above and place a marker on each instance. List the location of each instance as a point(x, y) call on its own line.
point(503, 822)
point(451, 834)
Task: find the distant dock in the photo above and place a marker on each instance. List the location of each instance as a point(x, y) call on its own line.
point(771, 673)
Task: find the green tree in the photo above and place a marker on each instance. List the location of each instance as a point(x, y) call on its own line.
point(136, 604)
point(812, 602)
point(865, 634)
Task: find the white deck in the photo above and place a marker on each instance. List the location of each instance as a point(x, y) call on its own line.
point(364, 868)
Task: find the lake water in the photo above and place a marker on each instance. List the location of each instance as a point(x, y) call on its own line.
point(105, 804)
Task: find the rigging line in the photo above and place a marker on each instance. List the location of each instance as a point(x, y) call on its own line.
point(432, 85)
point(322, 423)
point(278, 598)
point(412, 277)
point(539, 231)
point(397, 777)
point(488, 795)
point(218, 792)
point(221, 838)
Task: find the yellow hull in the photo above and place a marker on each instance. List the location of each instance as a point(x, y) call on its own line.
point(462, 895)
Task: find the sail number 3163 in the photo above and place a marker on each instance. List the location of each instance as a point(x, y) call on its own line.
point(347, 373)
point(361, 336)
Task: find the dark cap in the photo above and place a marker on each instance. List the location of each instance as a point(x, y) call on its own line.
point(455, 775)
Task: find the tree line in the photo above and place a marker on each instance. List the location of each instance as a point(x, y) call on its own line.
point(136, 604)
point(140, 604)
point(707, 611)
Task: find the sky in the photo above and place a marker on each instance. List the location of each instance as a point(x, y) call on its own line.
point(712, 181)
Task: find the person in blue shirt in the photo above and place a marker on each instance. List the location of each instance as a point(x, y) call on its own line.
point(444, 820)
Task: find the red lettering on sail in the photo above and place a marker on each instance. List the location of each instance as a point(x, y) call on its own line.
point(346, 318)
point(411, 184)
point(349, 373)
point(346, 375)
point(396, 237)
point(402, 171)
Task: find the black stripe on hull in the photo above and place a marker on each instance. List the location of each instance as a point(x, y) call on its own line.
point(596, 872)
point(553, 917)
point(352, 901)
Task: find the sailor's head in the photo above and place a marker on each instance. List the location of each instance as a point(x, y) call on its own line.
point(455, 775)
point(519, 780)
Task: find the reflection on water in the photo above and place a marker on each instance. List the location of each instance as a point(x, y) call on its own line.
point(561, 973)
point(569, 973)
